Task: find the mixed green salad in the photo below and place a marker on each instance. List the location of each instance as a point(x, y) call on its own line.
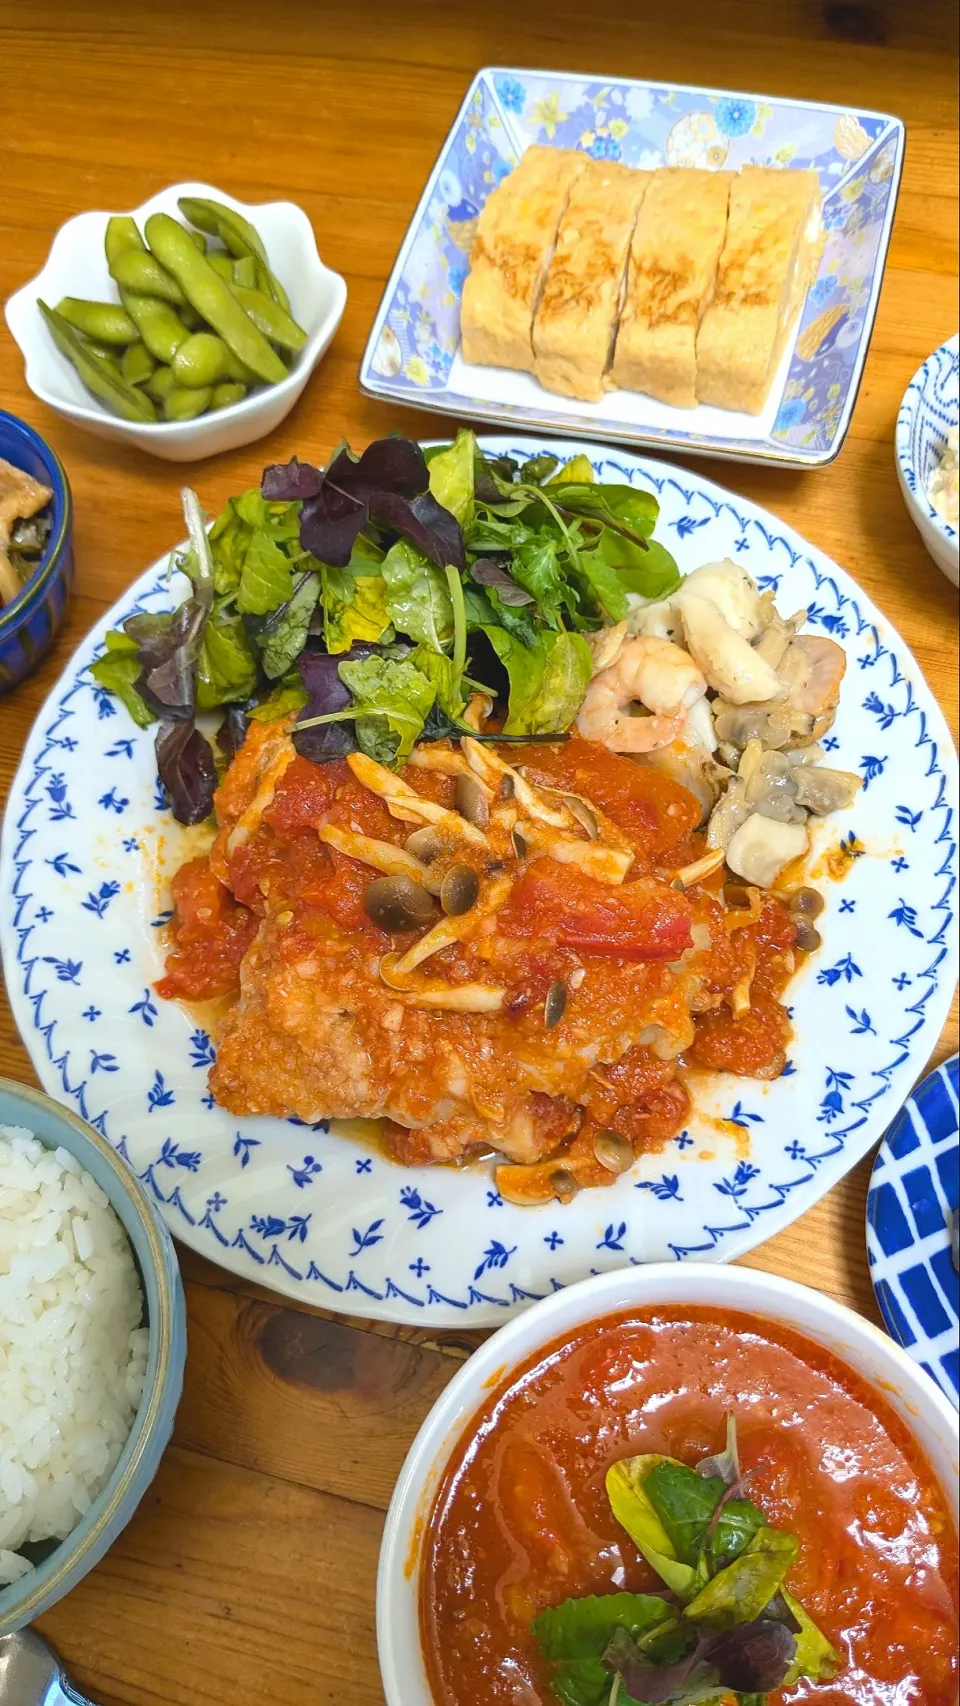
point(373, 596)
point(727, 1630)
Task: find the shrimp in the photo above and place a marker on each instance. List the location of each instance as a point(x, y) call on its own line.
point(658, 674)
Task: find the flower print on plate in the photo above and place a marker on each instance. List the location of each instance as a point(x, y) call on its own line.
point(412, 355)
point(328, 1218)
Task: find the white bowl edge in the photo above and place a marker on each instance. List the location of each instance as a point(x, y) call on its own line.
point(856, 1341)
point(76, 265)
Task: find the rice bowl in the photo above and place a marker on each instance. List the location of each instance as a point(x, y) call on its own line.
point(73, 1353)
point(105, 1487)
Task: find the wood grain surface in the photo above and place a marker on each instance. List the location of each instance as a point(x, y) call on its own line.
point(247, 1575)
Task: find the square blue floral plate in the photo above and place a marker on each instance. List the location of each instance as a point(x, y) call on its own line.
point(413, 357)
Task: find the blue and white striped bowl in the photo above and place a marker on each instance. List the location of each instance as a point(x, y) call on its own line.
point(930, 406)
point(910, 1208)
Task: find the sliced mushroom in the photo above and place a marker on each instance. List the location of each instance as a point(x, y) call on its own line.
point(397, 903)
point(519, 843)
point(613, 1151)
point(472, 802)
point(778, 631)
point(689, 875)
point(554, 1006)
point(459, 890)
point(761, 848)
point(773, 789)
point(808, 939)
point(586, 818)
point(425, 845)
point(776, 725)
point(564, 1184)
point(812, 669)
point(811, 754)
point(822, 790)
point(808, 903)
point(728, 814)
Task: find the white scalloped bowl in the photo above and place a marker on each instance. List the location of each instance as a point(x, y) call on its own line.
point(920, 1405)
point(77, 266)
point(930, 405)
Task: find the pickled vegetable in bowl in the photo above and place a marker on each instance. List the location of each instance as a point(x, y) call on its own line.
point(25, 523)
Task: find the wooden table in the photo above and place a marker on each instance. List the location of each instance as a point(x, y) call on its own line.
point(248, 1574)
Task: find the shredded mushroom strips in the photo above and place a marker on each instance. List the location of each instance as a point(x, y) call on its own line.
point(521, 819)
point(745, 741)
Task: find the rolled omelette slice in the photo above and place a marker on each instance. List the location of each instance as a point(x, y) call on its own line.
point(769, 260)
point(576, 323)
point(510, 255)
point(673, 262)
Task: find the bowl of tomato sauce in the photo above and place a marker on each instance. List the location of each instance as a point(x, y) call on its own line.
point(675, 1483)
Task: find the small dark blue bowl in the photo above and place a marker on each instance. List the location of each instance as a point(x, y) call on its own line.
point(30, 624)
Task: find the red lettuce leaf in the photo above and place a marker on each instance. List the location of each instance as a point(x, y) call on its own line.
point(168, 652)
point(388, 464)
point(330, 522)
point(232, 732)
point(751, 1658)
point(286, 482)
point(319, 672)
point(186, 768)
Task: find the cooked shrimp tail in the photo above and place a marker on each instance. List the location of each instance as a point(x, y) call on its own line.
point(647, 673)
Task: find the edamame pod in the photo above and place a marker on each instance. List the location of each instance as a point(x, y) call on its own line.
point(227, 392)
point(236, 234)
point(199, 241)
point(104, 352)
point(181, 404)
point(245, 272)
point(273, 322)
point(99, 376)
point(204, 359)
point(121, 234)
point(157, 322)
point(137, 364)
point(104, 322)
point(160, 383)
point(201, 360)
point(221, 264)
point(212, 297)
point(140, 272)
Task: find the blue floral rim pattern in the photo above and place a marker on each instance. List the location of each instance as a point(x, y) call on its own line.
point(410, 356)
point(914, 1196)
point(930, 406)
point(324, 1217)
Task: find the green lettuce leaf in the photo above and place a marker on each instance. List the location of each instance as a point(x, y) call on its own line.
point(392, 698)
point(441, 672)
point(354, 608)
point(578, 471)
point(266, 579)
point(626, 509)
point(548, 678)
point(118, 671)
point(287, 696)
point(231, 533)
point(535, 566)
point(451, 476)
point(417, 596)
point(652, 573)
point(581, 1628)
point(575, 1634)
point(815, 1657)
point(227, 670)
point(685, 1502)
point(282, 638)
point(741, 1592)
point(736, 1526)
point(626, 1490)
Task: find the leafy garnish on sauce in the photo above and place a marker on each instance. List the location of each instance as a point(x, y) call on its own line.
point(732, 1633)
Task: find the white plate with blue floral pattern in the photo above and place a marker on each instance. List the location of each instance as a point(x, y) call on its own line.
point(412, 355)
point(326, 1219)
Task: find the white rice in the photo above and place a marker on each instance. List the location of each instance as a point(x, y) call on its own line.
point(73, 1355)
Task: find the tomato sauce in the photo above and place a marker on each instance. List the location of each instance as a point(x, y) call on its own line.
point(521, 1520)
